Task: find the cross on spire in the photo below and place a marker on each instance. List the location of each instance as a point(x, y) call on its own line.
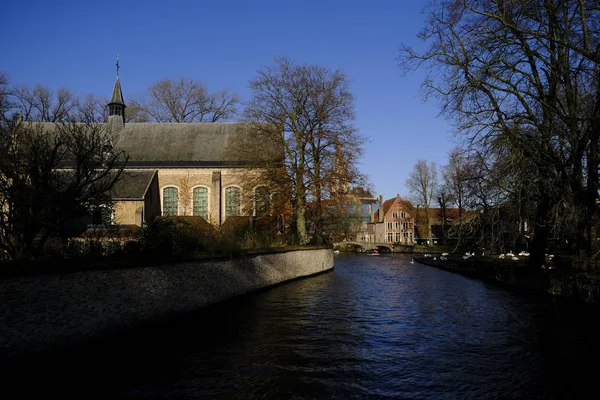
point(117, 65)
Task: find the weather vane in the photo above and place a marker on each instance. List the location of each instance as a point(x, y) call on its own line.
point(117, 65)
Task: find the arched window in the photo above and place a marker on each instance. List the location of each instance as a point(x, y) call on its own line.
point(170, 201)
point(232, 201)
point(262, 201)
point(201, 202)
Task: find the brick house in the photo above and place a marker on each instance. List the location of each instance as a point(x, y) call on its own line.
point(194, 173)
point(393, 222)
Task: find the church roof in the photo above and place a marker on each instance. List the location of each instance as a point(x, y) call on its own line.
point(117, 94)
point(133, 184)
point(182, 144)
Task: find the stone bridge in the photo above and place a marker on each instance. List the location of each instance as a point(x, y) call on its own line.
point(364, 246)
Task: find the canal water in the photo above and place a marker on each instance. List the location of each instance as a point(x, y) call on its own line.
point(374, 327)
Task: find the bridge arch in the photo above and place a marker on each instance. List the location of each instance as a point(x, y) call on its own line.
point(364, 246)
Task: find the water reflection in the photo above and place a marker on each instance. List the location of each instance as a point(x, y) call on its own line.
point(375, 327)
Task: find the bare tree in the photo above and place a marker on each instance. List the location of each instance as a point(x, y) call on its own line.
point(50, 174)
point(306, 112)
point(90, 110)
point(422, 183)
point(186, 100)
point(133, 113)
point(43, 104)
point(525, 73)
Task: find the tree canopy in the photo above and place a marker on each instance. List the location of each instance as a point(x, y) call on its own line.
point(521, 78)
point(50, 174)
point(306, 111)
point(185, 100)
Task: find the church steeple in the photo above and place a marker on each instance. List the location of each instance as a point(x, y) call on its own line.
point(116, 106)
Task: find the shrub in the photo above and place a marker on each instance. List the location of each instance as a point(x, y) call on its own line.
point(175, 236)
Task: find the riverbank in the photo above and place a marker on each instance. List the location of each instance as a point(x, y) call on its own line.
point(570, 283)
point(50, 312)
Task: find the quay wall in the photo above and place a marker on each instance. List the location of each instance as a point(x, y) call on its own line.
point(570, 283)
point(49, 312)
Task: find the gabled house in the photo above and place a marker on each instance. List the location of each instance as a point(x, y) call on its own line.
point(136, 198)
point(393, 222)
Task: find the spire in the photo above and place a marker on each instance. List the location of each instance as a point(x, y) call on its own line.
point(116, 105)
point(117, 94)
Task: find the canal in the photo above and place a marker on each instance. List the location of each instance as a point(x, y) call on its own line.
point(375, 327)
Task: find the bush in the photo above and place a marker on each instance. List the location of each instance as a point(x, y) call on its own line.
point(175, 236)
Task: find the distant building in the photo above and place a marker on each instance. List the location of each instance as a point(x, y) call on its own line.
point(393, 222)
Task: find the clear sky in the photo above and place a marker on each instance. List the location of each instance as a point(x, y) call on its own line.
point(223, 43)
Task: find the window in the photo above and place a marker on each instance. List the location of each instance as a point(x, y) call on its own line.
point(389, 226)
point(390, 237)
point(395, 215)
point(103, 215)
point(200, 195)
point(397, 226)
point(232, 201)
point(397, 236)
point(261, 201)
point(403, 215)
point(170, 201)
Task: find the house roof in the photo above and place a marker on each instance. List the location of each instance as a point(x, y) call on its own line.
point(133, 184)
point(406, 205)
point(117, 94)
point(181, 144)
point(387, 205)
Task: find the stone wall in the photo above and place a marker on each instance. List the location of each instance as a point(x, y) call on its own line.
point(578, 285)
point(52, 311)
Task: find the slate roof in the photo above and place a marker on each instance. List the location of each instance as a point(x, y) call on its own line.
point(117, 94)
point(181, 144)
point(133, 184)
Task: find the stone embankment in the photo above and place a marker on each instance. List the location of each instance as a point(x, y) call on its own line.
point(570, 283)
point(58, 311)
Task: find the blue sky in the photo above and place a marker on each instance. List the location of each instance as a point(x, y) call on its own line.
point(223, 43)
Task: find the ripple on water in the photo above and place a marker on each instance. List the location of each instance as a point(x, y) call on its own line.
point(375, 327)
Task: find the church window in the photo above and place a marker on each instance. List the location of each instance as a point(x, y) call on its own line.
point(201, 202)
point(261, 201)
point(232, 201)
point(170, 201)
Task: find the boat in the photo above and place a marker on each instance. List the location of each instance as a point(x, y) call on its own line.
point(373, 252)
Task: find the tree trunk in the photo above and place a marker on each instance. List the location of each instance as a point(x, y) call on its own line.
point(539, 242)
point(301, 226)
